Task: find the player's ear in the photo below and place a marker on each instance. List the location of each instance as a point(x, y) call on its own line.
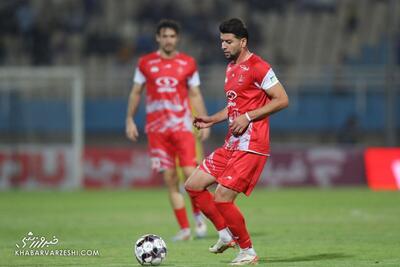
point(243, 42)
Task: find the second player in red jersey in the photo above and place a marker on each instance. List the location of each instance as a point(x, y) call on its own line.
point(167, 83)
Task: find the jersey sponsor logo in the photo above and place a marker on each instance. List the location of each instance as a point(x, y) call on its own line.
point(166, 84)
point(231, 95)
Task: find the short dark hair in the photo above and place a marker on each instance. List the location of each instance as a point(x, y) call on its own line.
point(234, 26)
point(168, 23)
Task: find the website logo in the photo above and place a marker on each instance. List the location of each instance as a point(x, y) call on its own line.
point(39, 245)
point(32, 241)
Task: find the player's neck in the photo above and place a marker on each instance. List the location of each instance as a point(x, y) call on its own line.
point(166, 55)
point(243, 56)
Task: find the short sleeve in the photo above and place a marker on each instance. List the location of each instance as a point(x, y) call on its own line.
point(265, 77)
point(194, 79)
point(139, 78)
point(269, 80)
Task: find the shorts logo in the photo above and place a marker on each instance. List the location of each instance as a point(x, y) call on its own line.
point(231, 95)
point(166, 84)
point(228, 177)
point(155, 163)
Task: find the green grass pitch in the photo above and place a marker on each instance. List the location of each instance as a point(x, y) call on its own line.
point(289, 227)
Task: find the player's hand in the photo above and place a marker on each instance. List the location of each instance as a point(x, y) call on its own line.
point(202, 122)
point(131, 130)
point(239, 125)
point(204, 133)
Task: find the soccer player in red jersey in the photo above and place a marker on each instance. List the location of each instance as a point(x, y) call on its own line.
point(253, 93)
point(172, 88)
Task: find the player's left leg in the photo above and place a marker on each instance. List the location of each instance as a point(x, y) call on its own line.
point(162, 156)
point(201, 226)
point(224, 200)
point(240, 176)
point(196, 186)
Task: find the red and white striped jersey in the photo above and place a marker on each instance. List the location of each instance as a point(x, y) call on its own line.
point(167, 84)
point(245, 88)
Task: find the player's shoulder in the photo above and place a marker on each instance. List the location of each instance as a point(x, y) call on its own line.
point(258, 62)
point(184, 58)
point(149, 58)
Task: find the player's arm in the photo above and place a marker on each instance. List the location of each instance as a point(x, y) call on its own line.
point(197, 102)
point(133, 104)
point(278, 101)
point(201, 122)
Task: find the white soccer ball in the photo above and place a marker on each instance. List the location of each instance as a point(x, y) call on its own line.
point(150, 250)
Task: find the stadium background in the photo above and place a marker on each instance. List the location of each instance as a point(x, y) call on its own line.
point(338, 60)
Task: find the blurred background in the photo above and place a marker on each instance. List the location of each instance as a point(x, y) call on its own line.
point(66, 69)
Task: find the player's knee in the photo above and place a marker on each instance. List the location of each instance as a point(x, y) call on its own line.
point(223, 194)
point(187, 171)
point(171, 179)
point(188, 185)
point(219, 196)
point(192, 184)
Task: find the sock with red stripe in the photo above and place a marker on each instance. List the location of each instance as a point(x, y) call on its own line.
point(205, 201)
point(236, 223)
point(182, 218)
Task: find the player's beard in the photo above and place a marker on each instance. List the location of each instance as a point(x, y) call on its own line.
point(169, 49)
point(231, 56)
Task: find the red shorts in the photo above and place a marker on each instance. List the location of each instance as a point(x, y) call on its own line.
point(166, 147)
point(235, 169)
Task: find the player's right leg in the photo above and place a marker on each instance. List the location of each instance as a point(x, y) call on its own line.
point(196, 187)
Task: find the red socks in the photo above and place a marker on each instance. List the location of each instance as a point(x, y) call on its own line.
point(195, 208)
point(236, 224)
point(221, 214)
point(182, 218)
point(204, 200)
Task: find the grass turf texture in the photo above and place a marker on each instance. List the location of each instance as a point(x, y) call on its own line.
point(289, 227)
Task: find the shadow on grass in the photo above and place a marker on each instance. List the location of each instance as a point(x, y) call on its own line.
point(316, 257)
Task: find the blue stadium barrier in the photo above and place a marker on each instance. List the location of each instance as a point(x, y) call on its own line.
point(310, 111)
